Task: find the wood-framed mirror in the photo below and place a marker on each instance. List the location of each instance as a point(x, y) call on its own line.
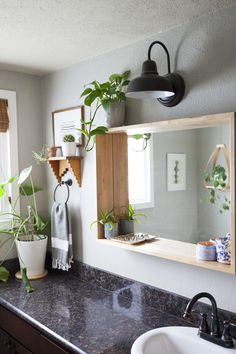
point(170, 159)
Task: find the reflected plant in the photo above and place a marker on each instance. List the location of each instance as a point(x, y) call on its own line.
point(216, 181)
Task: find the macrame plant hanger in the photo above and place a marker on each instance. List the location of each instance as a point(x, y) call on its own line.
point(212, 162)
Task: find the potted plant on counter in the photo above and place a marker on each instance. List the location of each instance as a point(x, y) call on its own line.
point(109, 222)
point(26, 230)
point(111, 97)
point(128, 218)
point(68, 145)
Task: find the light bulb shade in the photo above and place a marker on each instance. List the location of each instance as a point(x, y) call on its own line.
point(150, 84)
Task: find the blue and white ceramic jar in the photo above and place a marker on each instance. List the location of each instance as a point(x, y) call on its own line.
point(223, 249)
point(206, 251)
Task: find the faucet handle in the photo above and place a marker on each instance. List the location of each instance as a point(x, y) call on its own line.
point(203, 327)
point(226, 335)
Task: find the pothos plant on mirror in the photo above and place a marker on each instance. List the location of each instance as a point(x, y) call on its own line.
point(16, 226)
point(98, 95)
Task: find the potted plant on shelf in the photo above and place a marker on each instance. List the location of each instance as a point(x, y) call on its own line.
point(43, 155)
point(109, 222)
point(128, 218)
point(111, 97)
point(26, 230)
point(68, 145)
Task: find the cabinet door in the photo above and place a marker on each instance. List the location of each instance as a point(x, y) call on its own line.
point(17, 348)
point(5, 343)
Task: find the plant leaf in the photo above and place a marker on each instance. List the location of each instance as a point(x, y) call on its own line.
point(28, 189)
point(4, 274)
point(86, 92)
point(24, 174)
point(83, 131)
point(126, 74)
point(91, 97)
point(98, 131)
point(106, 104)
point(26, 281)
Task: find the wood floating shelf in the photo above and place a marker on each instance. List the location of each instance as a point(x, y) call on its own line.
point(61, 165)
point(177, 251)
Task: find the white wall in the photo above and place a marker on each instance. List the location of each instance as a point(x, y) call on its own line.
point(29, 121)
point(204, 52)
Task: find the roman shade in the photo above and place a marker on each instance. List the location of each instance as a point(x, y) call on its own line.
point(4, 119)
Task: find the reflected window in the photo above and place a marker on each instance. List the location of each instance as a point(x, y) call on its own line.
point(140, 170)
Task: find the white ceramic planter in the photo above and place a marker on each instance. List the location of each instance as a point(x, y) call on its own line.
point(68, 148)
point(32, 254)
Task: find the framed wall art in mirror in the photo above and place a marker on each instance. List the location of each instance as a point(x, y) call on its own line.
point(181, 210)
point(65, 121)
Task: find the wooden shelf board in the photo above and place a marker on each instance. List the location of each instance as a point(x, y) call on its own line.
point(173, 250)
point(61, 158)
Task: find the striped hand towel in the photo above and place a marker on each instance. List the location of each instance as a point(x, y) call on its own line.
point(61, 237)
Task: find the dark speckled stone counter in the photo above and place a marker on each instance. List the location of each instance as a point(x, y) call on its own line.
point(83, 317)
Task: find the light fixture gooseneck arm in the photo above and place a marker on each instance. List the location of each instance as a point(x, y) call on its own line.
point(165, 49)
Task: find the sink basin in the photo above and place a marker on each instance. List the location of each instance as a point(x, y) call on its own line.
point(176, 340)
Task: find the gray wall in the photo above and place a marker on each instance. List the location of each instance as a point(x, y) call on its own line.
point(29, 120)
point(175, 214)
point(204, 52)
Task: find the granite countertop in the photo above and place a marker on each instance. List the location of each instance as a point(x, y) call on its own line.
point(83, 317)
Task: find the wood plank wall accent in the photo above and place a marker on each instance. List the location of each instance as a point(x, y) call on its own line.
point(112, 173)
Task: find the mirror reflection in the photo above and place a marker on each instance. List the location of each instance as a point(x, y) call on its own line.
point(173, 183)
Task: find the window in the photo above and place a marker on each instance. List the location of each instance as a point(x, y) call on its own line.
point(8, 150)
point(140, 171)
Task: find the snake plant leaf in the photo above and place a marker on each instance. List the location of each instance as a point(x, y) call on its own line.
point(4, 274)
point(27, 189)
point(26, 281)
point(24, 175)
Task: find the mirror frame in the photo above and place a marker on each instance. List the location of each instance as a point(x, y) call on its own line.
point(112, 185)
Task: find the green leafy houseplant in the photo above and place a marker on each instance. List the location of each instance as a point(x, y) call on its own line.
point(21, 224)
point(130, 214)
point(216, 183)
point(102, 95)
point(109, 221)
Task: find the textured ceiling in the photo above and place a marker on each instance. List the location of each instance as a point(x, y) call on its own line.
point(41, 36)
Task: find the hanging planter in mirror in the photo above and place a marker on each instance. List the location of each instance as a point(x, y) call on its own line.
point(217, 176)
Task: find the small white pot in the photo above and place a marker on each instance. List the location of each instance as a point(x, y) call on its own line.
point(32, 254)
point(68, 148)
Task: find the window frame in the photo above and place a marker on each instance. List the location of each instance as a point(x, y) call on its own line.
point(10, 96)
point(150, 195)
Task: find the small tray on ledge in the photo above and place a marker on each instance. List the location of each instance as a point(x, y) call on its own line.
point(134, 239)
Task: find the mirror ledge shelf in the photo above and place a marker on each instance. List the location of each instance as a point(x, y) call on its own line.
point(173, 250)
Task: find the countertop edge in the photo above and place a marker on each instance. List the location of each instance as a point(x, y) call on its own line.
point(43, 329)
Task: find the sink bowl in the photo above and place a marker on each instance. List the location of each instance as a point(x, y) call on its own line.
point(176, 340)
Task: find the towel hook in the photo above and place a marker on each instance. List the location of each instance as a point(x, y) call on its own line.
point(67, 183)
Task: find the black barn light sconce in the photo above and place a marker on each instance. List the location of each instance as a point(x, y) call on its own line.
point(168, 89)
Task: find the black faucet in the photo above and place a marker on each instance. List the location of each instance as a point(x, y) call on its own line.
point(212, 335)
